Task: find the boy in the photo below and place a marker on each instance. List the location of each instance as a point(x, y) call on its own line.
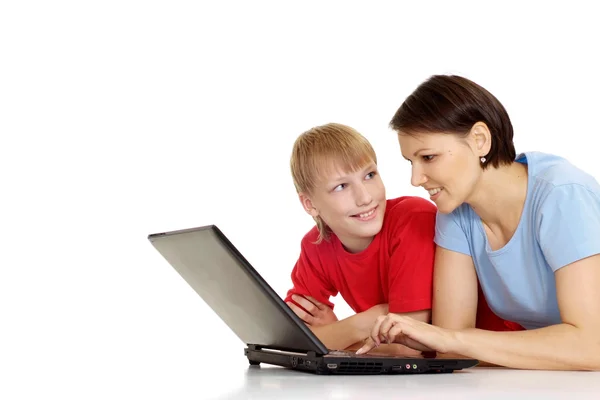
point(377, 253)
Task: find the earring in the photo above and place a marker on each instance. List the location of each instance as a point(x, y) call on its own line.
point(482, 160)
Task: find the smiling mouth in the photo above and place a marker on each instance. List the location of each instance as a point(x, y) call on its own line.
point(365, 214)
point(433, 192)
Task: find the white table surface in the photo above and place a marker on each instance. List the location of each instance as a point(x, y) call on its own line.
point(178, 370)
point(267, 382)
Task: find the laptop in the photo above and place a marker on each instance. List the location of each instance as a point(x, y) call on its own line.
point(272, 332)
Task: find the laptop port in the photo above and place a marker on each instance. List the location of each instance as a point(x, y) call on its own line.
point(332, 366)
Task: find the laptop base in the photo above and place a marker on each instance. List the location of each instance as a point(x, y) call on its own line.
point(338, 363)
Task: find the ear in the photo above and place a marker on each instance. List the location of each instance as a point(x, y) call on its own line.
point(482, 137)
point(308, 204)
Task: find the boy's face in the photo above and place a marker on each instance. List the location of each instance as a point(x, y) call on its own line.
point(352, 204)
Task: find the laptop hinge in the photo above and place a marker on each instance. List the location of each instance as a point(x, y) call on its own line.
point(254, 347)
point(278, 351)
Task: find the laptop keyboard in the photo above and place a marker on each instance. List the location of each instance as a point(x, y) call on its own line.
point(346, 353)
point(342, 353)
point(352, 354)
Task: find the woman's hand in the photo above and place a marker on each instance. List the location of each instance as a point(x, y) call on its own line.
point(421, 336)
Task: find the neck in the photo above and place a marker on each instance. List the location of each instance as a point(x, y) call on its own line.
point(355, 245)
point(500, 195)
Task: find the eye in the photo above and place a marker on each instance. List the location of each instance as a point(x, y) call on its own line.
point(371, 175)
point(428, 158)
point(339, 187)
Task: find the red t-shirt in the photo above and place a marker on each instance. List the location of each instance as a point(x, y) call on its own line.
point(396, 268)
point(486, 319)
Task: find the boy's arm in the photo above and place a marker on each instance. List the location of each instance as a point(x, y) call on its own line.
point(350, 331)
point(309, 299)
point(312, 311)
point(309, 278)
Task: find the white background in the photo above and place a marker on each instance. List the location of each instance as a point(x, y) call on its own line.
point(123, 118)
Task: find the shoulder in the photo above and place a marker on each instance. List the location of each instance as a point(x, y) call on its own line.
point(311, 248)
point(461, 216)
point(405, 206)
point(454, 231)
point(558, 182)
point(408, 213)
point(553, 171)
point(565, 202)
point(311, 236)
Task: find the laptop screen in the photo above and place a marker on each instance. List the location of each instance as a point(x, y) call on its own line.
point(225, 280)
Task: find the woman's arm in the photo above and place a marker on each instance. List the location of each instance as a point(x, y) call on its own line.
point(455, 294)
point(572, 345)
point(454, 290)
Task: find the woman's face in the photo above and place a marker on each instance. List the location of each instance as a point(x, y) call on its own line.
point(446, 165)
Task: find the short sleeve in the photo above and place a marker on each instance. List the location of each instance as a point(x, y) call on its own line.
point(568, 225)
point(449, 234)
point(309, 280)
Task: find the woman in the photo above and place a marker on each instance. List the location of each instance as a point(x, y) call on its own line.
point(527, 227)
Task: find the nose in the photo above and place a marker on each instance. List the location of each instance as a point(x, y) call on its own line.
point(417, 177)
point(362, 195)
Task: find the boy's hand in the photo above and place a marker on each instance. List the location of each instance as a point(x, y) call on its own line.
point(316, 314)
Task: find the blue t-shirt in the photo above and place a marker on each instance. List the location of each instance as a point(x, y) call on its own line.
point(559, 225)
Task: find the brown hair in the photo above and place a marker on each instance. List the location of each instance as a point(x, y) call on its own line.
point(453, 104)
point(320, 148)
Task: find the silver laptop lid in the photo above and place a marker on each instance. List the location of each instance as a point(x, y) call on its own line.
point(227, 282)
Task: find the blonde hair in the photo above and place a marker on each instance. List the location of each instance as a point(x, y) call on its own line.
point(320, 148)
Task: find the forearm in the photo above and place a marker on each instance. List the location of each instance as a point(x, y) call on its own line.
point(347, 332)
point(351, 333)
point(557, 347)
